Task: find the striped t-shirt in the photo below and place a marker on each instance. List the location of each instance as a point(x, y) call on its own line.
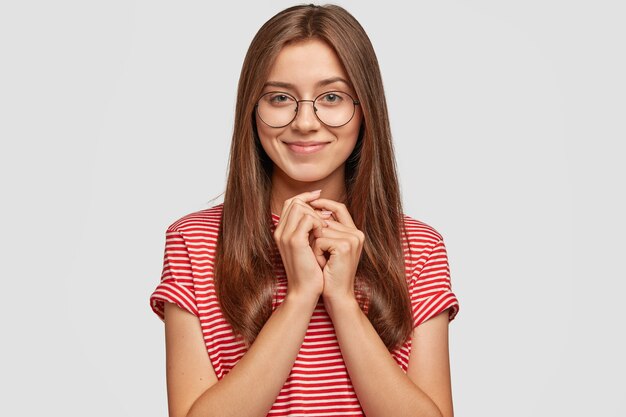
point(318, 384)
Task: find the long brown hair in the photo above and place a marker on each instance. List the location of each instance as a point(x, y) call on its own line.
point(244, 270)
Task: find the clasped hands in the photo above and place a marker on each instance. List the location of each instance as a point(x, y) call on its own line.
point(320, 253)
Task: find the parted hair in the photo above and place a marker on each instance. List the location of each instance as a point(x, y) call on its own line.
point(244, 272)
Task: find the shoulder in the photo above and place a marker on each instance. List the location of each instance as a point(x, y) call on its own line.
point(419, 238)
point(198, 222)
point(417, 231)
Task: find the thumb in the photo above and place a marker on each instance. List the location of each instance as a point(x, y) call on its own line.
point(320, 254)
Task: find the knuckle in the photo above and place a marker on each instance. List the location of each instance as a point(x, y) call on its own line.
point(292, 241)
point(304, 218)
point(297, 207)
point(344, 246)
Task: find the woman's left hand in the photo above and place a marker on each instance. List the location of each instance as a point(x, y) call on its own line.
point(344, 242)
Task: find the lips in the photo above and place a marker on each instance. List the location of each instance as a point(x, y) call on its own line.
point(305, 147)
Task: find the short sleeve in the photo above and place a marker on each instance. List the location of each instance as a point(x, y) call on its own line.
point(176, 285)
point(430, 287)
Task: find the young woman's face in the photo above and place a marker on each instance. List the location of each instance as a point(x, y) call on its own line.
point(304, 70)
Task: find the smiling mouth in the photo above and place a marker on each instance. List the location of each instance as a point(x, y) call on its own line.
point(306, 148)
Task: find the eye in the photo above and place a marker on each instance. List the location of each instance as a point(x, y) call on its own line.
point(332, 97)
point(279, 98)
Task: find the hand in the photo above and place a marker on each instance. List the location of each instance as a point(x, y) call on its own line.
point(344, 242)
point(293, 238)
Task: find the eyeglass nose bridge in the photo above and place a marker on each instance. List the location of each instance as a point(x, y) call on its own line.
point(301, 101)
point(297, 110)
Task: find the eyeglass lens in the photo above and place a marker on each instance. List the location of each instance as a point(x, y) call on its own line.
point(333, 108)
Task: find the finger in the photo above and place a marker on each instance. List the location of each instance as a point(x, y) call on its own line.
point(352, 236)
point(332, 246)
point(289, 221)
point(326, 214)
point(333, 224)
point(295, 213)
point(297, 210)
point(306, 223)
point(319, 252)
point(339, 210)
point(303, 231)
point(307, 196)
point(287, 204)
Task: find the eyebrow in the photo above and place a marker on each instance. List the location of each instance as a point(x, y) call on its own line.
point(320, 83)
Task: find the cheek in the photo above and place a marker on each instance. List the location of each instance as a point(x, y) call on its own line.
point(356, 128)
point(356, 122)
point(264, 133)
point(268, 138)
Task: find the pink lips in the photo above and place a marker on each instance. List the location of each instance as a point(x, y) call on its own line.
point(305, 148)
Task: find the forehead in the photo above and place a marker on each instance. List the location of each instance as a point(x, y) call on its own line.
point(305, 63)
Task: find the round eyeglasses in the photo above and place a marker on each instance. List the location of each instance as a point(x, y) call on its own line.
point(333, 108)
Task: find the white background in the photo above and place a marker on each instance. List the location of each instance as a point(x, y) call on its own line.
point(508, 120)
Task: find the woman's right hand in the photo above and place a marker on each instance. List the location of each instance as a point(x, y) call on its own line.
point(292, 236)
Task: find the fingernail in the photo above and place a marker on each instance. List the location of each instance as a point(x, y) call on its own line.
point(326, 213)
point(316, 192)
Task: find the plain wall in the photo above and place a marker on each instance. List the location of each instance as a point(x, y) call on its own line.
point(508, 122)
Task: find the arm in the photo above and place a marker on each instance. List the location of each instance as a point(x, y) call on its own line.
point(382, 387)
point(193, 389)
point(429, 362)
point(251, 387)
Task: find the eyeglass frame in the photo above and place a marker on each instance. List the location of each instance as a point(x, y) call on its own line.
point(354, 102)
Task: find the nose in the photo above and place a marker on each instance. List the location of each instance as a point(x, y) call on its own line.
point(306, 120)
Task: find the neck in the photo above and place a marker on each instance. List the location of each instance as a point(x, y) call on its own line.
point(283, 188)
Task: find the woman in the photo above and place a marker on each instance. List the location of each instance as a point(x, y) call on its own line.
point(308, 291)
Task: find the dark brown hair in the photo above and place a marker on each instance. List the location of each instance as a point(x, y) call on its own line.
point(244, 271)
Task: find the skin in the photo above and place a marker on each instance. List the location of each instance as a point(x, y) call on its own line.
point(320, 247)
point(304, 64)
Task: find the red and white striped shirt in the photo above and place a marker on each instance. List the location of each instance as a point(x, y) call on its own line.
point(318, 384)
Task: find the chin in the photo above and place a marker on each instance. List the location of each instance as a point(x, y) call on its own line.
point(304, 177)
point(311, 174)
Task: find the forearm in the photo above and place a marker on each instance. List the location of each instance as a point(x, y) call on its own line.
point(252, 386)
point(382, 388)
